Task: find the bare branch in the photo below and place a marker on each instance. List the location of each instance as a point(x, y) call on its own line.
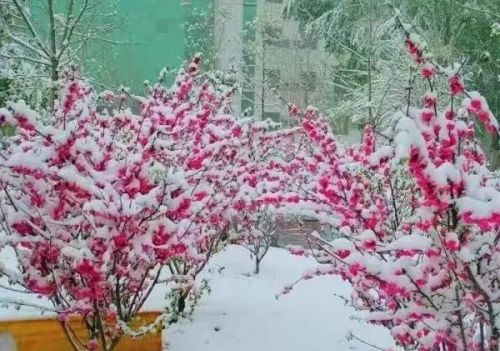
point(27, 58)
point(16, 302)
point(26, 45)
point(69, 13)
point(31, 27)
point(69, 33)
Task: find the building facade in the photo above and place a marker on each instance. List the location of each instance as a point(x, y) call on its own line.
point(139, 38)
point(268, 53)
point(275, 60)
point(149, 37)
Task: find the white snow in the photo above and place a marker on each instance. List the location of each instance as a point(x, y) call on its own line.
point(242, 312)
point(410, 242)
point(248, 317)
point(32, 303)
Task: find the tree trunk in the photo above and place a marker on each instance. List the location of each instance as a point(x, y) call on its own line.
point(257, 265)
point(54, 61)
point(495, 153)
point(54, 77)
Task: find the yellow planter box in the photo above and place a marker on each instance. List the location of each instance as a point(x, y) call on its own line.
point(47, 335)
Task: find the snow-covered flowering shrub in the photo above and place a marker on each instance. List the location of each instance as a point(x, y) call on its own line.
point(258, 235)
point(268, 154)
point(22, 79)
point(104, 204)
point(418, 218)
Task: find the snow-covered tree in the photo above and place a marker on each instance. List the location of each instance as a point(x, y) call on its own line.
point(259, 235)
point(256, 228)
point(417, 214)
point(361, 34)
point(199, 32)
point(72, 25)
point(281, 62)
point(19, 79)
point(102, 205)
point(368, 79)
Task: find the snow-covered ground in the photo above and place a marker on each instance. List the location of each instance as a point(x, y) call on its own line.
point(242, 313)
point(8, 262)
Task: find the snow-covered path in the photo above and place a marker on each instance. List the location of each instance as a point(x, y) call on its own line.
point(242, 314)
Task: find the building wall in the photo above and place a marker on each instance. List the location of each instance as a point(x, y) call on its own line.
point(153, 38)
point(229, 18)
point(288, 62)
point(150, 37)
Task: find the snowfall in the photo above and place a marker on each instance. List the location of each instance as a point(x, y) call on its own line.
point(242, 311)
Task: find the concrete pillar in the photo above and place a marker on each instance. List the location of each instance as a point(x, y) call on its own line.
point(229, 40)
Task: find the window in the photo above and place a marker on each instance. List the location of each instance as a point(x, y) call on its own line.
point(272, 77)
point(248, 103)
point(249, 32)
point(248, 68)
point(249, 11)
point(284, 43)
point(310, 43)
point(249, 59)
point(290, 85)
point(274, 116)
point(309, 79)
point(249, 14)
point(271, 33)
point(249, 71)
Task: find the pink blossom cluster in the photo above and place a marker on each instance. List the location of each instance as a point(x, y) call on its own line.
point(105, 203)
point(416, 217)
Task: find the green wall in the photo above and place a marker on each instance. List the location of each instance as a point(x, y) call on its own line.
point(153, 38)
point(150, 38)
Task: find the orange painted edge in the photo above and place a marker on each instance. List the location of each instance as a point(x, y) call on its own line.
point(46, 334)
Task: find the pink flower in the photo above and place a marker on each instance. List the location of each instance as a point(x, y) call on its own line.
point(475, 105)
point(92, 345)
point(23, 228)
point(428, 70)
point(120, 240)
point(196, 163)
point(355, 268)
point(427, 115)
point(293, 110)
point(451, 242)
point(456, 85)
point(343, 253)
point(236, 131)
point(430, 100)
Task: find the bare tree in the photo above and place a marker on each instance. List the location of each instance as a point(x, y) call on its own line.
point(71, 26)
point(259, 235)
point(281, 62)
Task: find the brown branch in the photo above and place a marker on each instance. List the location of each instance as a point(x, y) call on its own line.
point(100, 326)
point(72, 342)
point(148, 292)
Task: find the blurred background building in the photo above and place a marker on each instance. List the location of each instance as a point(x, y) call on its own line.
point(272, 59)
point(275, 59)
